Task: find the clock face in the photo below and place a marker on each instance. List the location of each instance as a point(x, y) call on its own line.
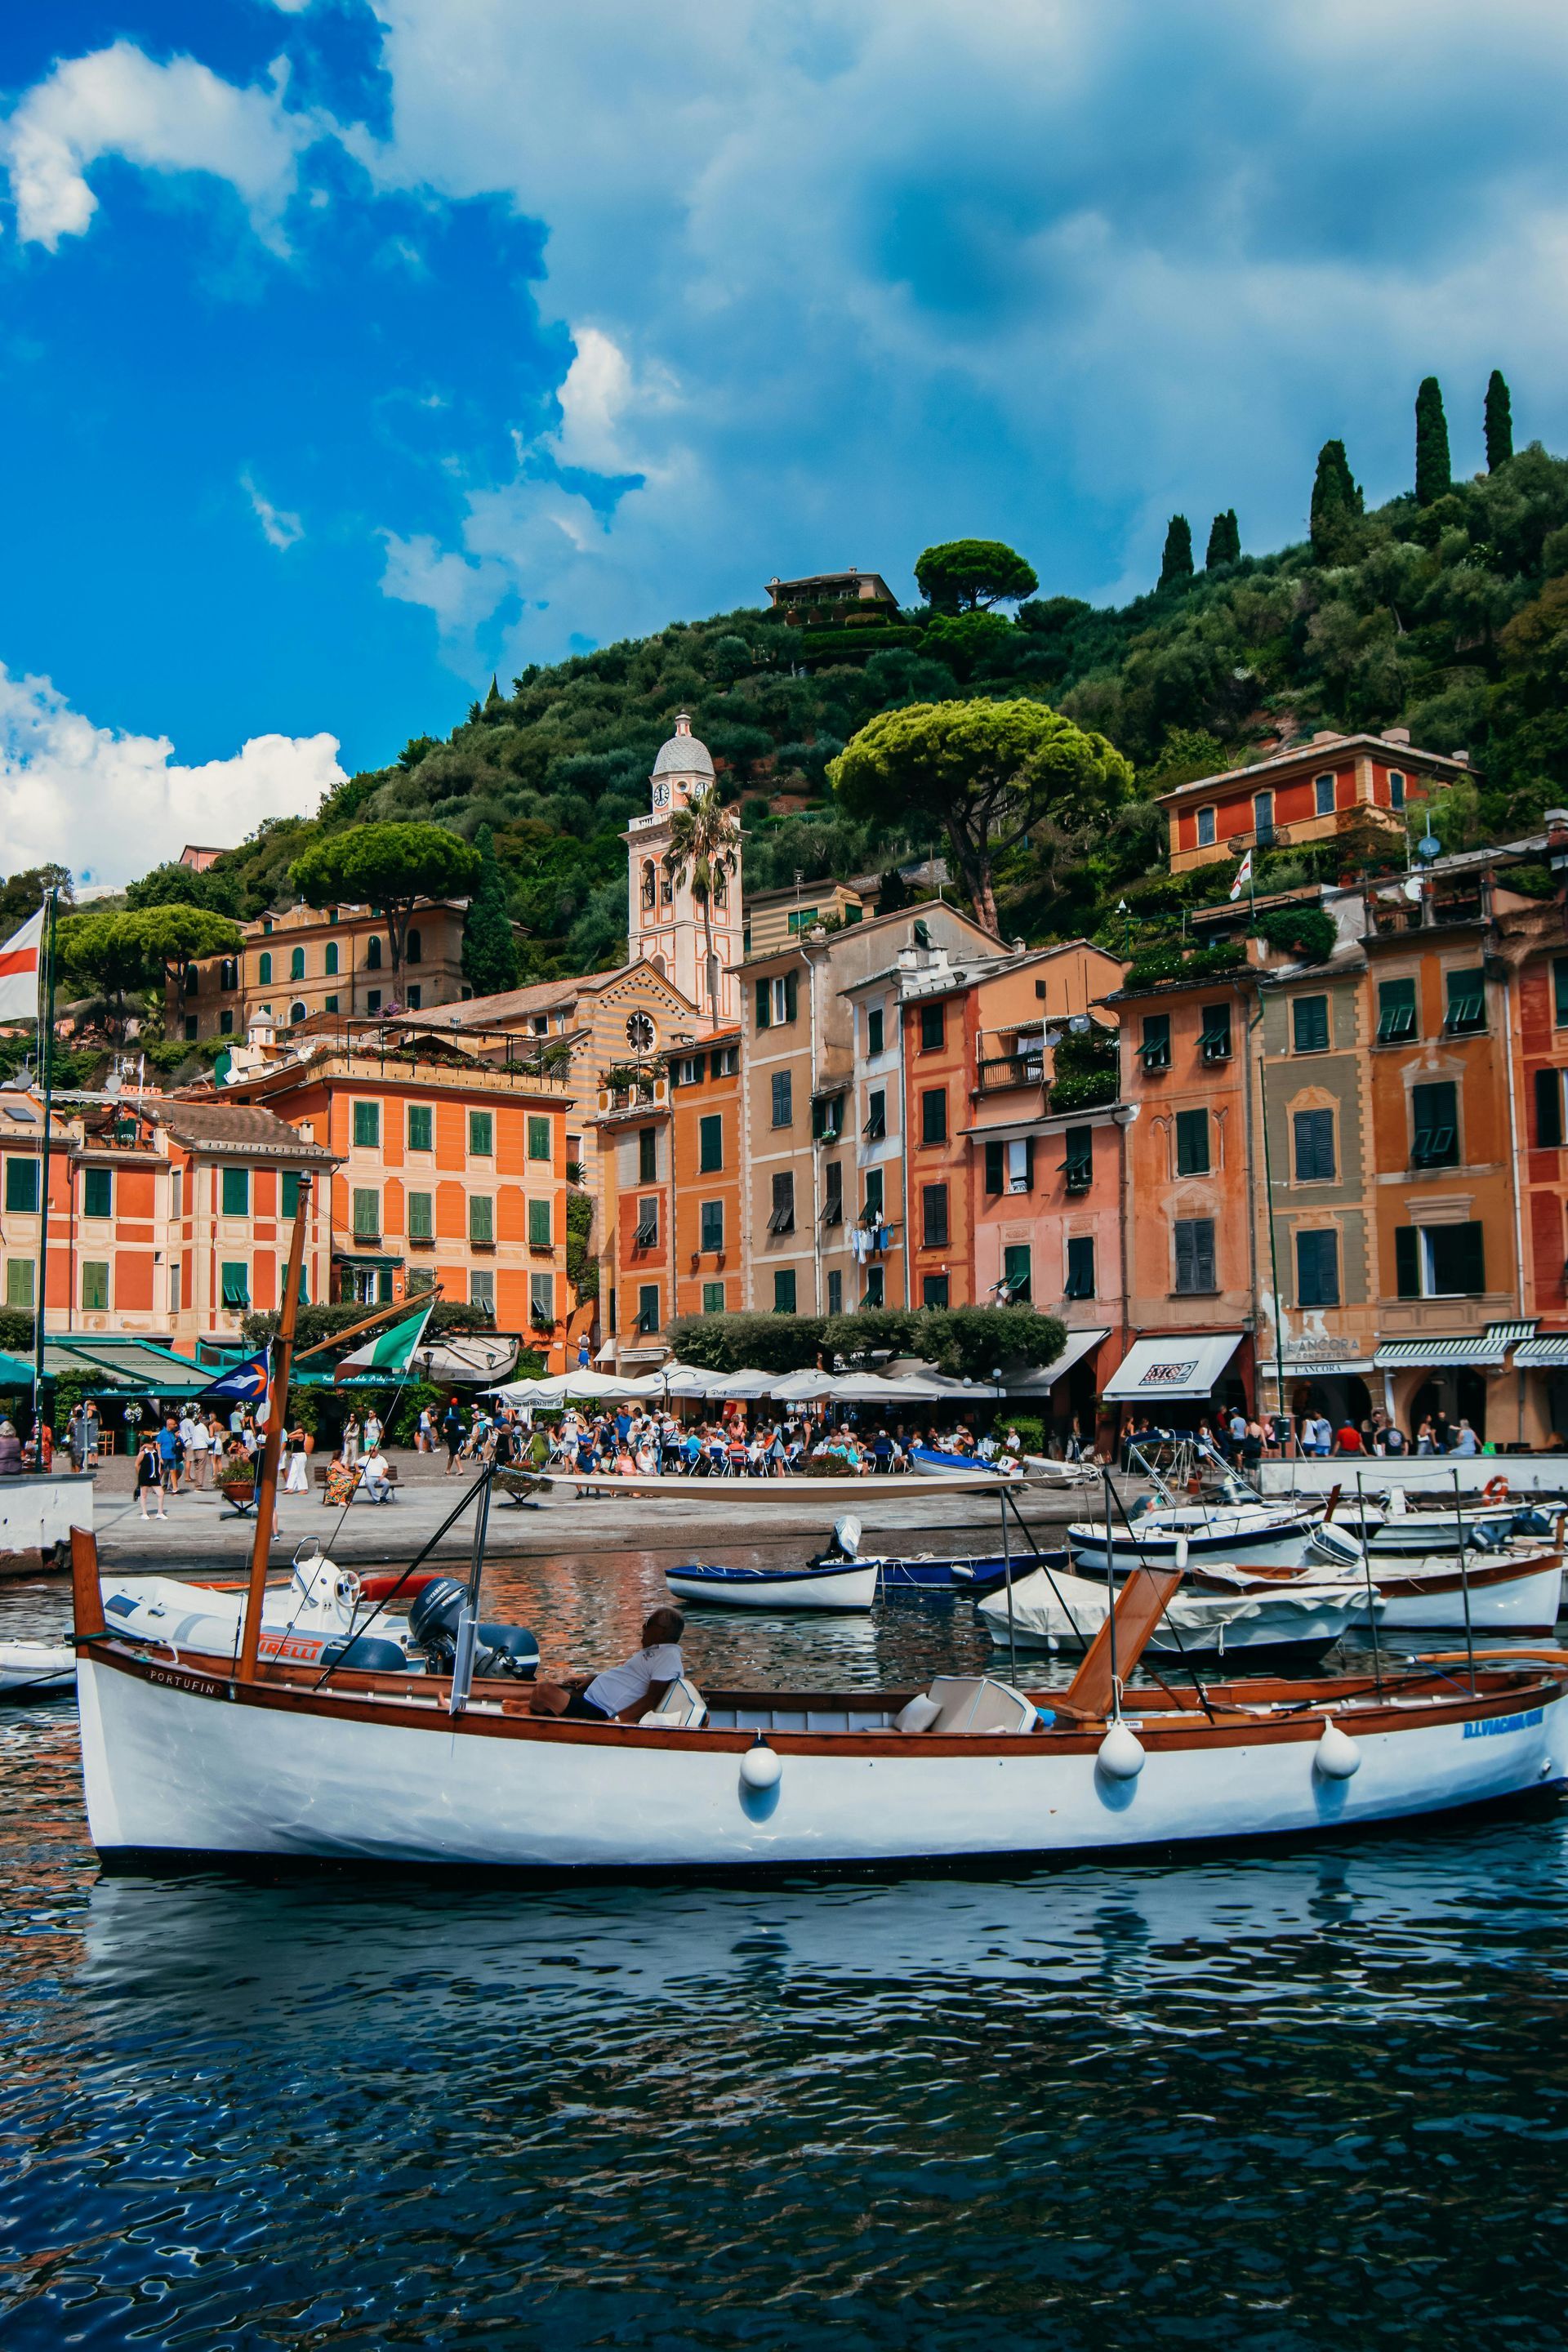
point(661, 796)
point(641, 1035)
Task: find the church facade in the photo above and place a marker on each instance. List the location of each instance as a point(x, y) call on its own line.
point(695, 941)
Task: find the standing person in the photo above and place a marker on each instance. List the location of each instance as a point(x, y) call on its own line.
point(299, 1480)
point(452, 1431)
point(76, 1438)
point(198, 1448)
point(94, 1433)
point(1425, 1436)
point(1347, 1437)
point(150, 1476)
point(169, 1455)
point(1442, 1431)
point(371, 1430)
point(1390, 1439)
point(424, 1435)
point(351, 1438)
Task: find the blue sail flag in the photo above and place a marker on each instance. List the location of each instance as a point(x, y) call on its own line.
point(246, 1384)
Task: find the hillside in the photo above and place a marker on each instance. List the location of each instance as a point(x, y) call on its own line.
point(1449, 617)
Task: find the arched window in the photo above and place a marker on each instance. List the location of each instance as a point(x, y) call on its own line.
point(414, 952)
point(193, 980)
point(373, 954)
point(332, 957)
point(264, 970)
point(667, 893)
point(295, 1013)
point(720, 886)
point(650, 882)
point(296, 963)
point(228, 973)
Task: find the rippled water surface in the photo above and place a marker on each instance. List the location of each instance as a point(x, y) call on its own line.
point(1317, 2098)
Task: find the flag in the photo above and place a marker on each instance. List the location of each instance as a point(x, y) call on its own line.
point(246, 1384)
point(19, 970)
point(388, 1352)
point(1243, 877)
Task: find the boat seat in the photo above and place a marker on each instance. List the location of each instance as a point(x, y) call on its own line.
point(684, 1709)
point(976, 1702)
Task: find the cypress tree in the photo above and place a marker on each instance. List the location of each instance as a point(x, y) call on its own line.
point(493, 697)
point(1225, 541)
point(490, 951)
point(1337, 505)
point(1177, 563)
point(1499, 422)
point(1434, 475)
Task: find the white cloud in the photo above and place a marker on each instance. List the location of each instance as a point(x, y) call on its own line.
point(601, 400)
point(111, 805)
point(278, 527)
point(177, 117)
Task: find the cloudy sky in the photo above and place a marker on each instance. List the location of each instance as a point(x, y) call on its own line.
point(355, 349)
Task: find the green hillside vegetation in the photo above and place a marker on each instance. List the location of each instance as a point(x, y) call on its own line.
point(1448, 615)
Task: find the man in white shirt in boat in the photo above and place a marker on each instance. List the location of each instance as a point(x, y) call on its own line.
point(624, 1694)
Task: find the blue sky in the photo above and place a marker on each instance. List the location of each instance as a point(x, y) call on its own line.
point(349, 351)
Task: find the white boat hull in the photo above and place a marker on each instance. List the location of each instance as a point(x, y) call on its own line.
point(802, 1492)
point(35, 1669)
point(1064, 1613)
point(833, 1589)
point(1523, 1604)
point(1281, 1544)
point(175, 1766)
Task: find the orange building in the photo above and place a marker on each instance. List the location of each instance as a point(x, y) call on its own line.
point(1309, 793)
point(304, 960)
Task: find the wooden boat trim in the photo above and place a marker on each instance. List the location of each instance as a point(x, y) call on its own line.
point(1388, 1581)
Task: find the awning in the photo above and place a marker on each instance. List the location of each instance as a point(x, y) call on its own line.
point(1043, 1377)
point(1486, 1349)
point(1185, 1366)
point(1551, 1348)
point(126, 1363)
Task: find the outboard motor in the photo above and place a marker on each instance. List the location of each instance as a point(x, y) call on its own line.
point(1335, 1545)
point(1531, 1522)
point(434, 1615)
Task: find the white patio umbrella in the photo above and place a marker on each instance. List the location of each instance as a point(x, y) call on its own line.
point(685, 1381)
point(801, 1388)
point(742, 1385)
point(874, 1388)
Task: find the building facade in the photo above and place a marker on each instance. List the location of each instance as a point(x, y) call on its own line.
point(305, 961)
point(1309, 793)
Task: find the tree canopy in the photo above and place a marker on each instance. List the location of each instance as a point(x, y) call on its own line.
point(1434, 473)
point(174, 885)
point(966, 575)
point(1337, 505)
point(388, 868)
point(987, 773)
point(175, 937)
point(1177, 564)
point(490, 951)
point(1225, 541)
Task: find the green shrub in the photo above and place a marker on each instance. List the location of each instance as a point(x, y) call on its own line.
point(1306, 932)
point(1031, 1431)
point(1084, 1091)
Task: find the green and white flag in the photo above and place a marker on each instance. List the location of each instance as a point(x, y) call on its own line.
point(387, 1352)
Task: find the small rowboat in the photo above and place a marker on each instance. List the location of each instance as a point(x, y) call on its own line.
point(851, 1584)
point(1286, 1623)
point(35, 1670)
point(932, 1462)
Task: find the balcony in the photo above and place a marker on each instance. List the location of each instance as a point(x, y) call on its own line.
point(1000, 1071)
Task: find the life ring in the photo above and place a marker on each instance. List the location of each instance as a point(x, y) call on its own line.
point(1495, 1491)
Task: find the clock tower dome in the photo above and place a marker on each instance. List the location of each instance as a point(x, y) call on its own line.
point(693, 940)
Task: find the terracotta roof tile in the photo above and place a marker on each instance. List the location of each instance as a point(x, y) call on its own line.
point(233, 1126)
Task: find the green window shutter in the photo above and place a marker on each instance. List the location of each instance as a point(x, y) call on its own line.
point(933, 1115)
point(783, 1291)
point(20, 1273)
point(1407, 1261)
point(1192, 1143)
point(538, 1138)
point(1548, 1109)
point(934, 1027)
point(1156, 1046)
point(237, 1191)
point(1310, 1024)
point(874, 1031)
point(1080, 1266)
point(1314, 1132)
point(710, 1144)
point(421, 1126)
point(291, 1192)
point(95, 1284)
point(367, 1215)
point(995, 1168)
point(1560, 990)
point(98, 1193)
point(765, 1006)
point(712, 1227)
point(792, 994)
point(481, 1217)
point(367, 1124)
point(21, 1183)
point(482, 1135)
point(1318, 1269)
point(712, 1299)
point(234, 1282)
point(1471, 1256)
point(1017, 1268)
point(539, 1233)
point(1467, 1003)
point(421, 1217)
point(264, 972)
point(296, 963)
point(1396, 1011)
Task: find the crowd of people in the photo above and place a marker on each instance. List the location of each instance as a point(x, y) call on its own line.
point(1244, 1439)
point(634, 1441)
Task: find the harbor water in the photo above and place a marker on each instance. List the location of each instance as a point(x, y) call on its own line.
point(1288, 2099)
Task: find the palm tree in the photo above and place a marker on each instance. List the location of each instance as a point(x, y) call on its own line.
point(704, 842)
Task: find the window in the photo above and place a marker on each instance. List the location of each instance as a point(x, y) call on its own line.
point(19, 1272)
point(874, 1029)
point(226, 1018)
point(296, 963)
point(539, 1234)
point(1310, 1024)
point(933, 1290)
point(266, 922)
point(832, 1187)
point(373, 954)
point(21, 1183)
point(234, 1282)
point(371, 1000)
point(648, 1155)
point(782, 1219)
point(933, 1115)
point(291, 1192)
point(1435, 1125)
point(1021, 1165)
point(482, 1290)
point(1155, 1048)
point(330, 961)
point(777, 1000)
point(1080, 1267)
point(1262, 818)
point(1466, 1003)
point(1395, 789)
point(421, 1126)
point(419, 1281)
point(1213, 1038)
point(1206, 828)
point(1314, 1134)
point(236, 1194)
point(783, 1098)
point(933, 1215)
point(366, 1214)
point(712, 1299)
point(414, 952)
point(1439, 1261)
point(1322, 795)
point(803, 920)
point(647, 1307)
point(1395, 1011)
point(711, 1239)
point(647, 887)
point(228, 973)
point(264, 967)
point(482, 1135)
point(297, 1012)
point(873, 1194)
point(1077, 1167)
point(481, 1218)
point(1560, 990)
point(933, 1027)
point(995, 1159)
point(1318, 1269)
point(421, 1216)
point(646, 1236)
point(876, 1114)
point(1195, 1253)
point(1192, 1143)
point(539, 1139)
point(783, 1290)
point(95, 1284)
point(827, 1118)
point(836, 1293)
point(98, 1193)
point(1548, 1109)
point(192, 1028)
point(1017, 1269)
point(367, 1125)
point(876, 1287)
point(412, 997)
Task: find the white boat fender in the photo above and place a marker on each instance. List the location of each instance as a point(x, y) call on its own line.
point(1336, 1756)
point(760, 1764)
point(1183, 1554)
point(1122, 1755)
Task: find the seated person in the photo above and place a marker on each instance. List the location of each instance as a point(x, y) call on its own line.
point(339, 1490)
point(624, 1694)
point(374, 1478)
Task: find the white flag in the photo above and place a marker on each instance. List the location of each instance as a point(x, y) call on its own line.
point(19, 970)
point(1243, 877)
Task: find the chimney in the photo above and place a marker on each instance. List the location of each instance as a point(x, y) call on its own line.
point(1327, 735)
point(1396, 735)
point(1460, 758)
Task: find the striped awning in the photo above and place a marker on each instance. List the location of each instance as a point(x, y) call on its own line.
point(1487, 1348)
point(1551, 1348)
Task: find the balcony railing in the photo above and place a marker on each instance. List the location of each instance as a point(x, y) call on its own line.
point(1000, 1070)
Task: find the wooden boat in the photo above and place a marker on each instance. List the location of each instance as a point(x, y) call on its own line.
point(932, 1462)
point(35, 1670)
point(1517, 1590)
point(799, 1489)
point(1280, 1622)
point(847, 1584)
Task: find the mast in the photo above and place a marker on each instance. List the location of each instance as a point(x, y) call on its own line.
point(46, 1071)
point(277, 1414)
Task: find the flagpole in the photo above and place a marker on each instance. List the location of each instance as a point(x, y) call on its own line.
point(277, 1414)
point(46, 1027)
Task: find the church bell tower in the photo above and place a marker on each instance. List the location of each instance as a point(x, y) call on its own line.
point(693, 945)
